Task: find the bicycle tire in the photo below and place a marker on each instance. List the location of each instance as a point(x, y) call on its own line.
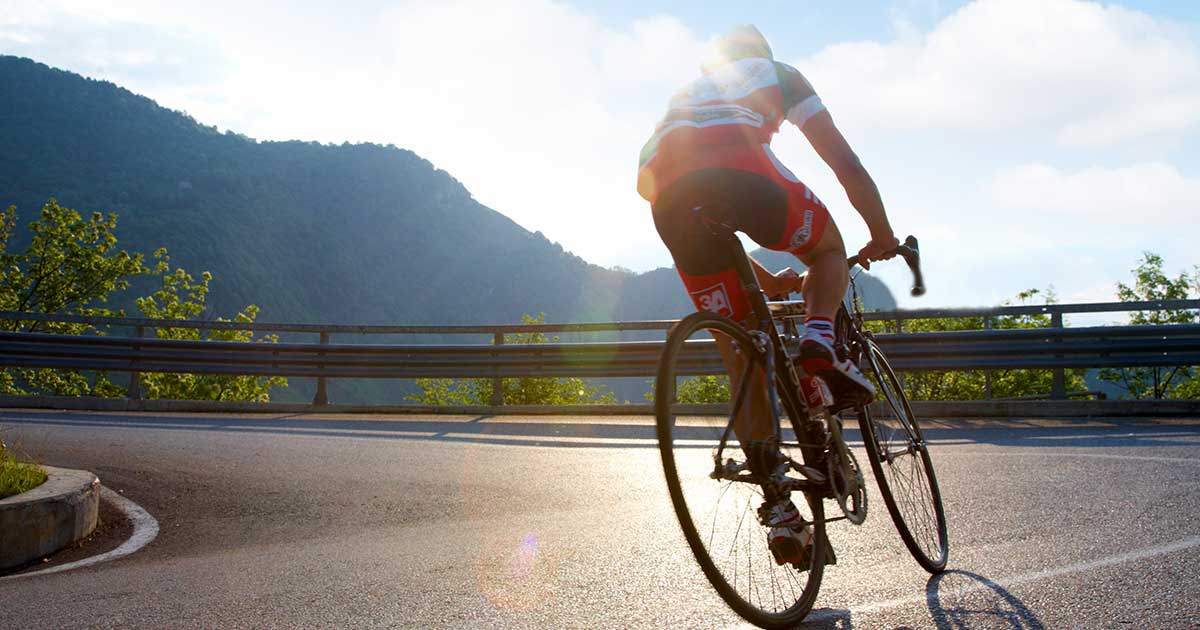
point(900, 459)
point(705, 515)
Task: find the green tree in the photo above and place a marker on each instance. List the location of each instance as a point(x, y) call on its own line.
point(71, 266)
point(181, 297)
point(704, 389)
point(972, 385)
point(1150, 283)
point(530, 390)
point(709, 388)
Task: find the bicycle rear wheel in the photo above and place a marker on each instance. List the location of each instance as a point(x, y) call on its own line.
point(900, 458)
point(718, 510)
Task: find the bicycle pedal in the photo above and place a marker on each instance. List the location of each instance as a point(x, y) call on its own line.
point(810, 473)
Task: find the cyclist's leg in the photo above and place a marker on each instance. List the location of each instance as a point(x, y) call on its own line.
point(804, 228)
point(811, 235)
point(708, 270)
point(828, 276)
point(750, 201)
point(752, 424)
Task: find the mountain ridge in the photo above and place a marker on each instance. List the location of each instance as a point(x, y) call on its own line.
point(309, 232)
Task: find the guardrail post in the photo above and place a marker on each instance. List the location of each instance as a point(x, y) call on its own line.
point(135, 378)
point(322, 396)
point(497, 383)
point(987, 374)
point(1058, 386)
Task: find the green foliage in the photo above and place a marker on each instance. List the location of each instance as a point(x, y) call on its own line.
point(71, 265)
point(532, 390)
point(1150, 283)
point(17, 475)
point(704, 389)
point(444, 392)
point(181, 297)
point(972, 385)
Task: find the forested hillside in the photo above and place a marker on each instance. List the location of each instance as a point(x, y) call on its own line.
point(308, 232)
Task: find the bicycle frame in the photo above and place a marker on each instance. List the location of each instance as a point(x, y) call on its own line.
point(816, 463)
point(812, 435)
point(778, 364)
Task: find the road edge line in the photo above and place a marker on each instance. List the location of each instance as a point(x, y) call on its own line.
point(145, 530)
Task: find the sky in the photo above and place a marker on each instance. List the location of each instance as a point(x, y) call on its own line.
point(1026, 143)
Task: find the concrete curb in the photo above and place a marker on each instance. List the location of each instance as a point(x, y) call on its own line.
point(145, 529)
point(59, 512)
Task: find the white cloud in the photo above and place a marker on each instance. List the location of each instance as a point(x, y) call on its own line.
point(1140, 197)
point(1088, 74)
point(1036, 226)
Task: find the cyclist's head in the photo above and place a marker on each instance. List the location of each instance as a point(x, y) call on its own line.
point(740, 43)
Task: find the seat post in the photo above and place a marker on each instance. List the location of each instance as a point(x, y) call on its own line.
point(745, 271)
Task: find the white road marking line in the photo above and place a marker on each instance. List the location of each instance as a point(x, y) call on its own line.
point(549, 440)
point(145, 529)
point(296, 430)
point(1146, 458)
point(1017, 580)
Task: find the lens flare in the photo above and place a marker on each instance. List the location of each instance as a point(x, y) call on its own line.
point(516, 574)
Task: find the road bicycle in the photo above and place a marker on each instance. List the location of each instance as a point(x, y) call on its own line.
point(725, 508)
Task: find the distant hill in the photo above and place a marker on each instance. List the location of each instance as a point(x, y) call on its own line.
point(308, 232)
point(874, 293)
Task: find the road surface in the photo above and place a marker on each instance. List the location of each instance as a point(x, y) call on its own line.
point(311, 521)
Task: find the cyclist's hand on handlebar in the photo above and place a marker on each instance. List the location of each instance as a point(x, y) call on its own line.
point(782, 283)
point(881, 247)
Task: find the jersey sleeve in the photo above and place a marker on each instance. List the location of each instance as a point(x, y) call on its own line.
point(800, 100)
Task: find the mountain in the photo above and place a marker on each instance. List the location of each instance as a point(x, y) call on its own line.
point(873, 292)
point(309, 232)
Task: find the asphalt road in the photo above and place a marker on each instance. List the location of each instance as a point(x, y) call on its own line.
point(318, 522)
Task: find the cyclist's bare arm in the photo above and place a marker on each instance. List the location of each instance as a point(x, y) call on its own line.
point(829, 143)
point(776, 284)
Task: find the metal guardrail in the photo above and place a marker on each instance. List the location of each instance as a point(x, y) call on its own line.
point(1053, 310)
point(1055, 348)
point(1124, 346)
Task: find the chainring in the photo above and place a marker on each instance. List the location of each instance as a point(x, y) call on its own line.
point(851, 494)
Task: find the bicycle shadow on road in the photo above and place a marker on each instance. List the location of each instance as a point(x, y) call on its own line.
point(827, 619)
point(958, 600)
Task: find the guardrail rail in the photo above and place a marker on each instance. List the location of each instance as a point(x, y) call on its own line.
point(1056, 348)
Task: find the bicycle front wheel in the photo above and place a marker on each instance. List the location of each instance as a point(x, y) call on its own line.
point(900, 458)
point(713, 495)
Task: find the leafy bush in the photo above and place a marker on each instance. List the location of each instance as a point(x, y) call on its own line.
point(1150, 283)
point(706, 389)
point(181, 297)
point(72, 266)
point(972, 385)
point(530, 390)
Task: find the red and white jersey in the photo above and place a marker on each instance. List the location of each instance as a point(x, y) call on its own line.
point(741, 102)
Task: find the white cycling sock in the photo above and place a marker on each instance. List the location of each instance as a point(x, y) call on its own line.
point(819, 329)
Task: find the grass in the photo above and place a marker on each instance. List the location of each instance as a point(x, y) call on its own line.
point(17, 476)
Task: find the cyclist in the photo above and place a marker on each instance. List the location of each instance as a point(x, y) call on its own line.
point(712, 149)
